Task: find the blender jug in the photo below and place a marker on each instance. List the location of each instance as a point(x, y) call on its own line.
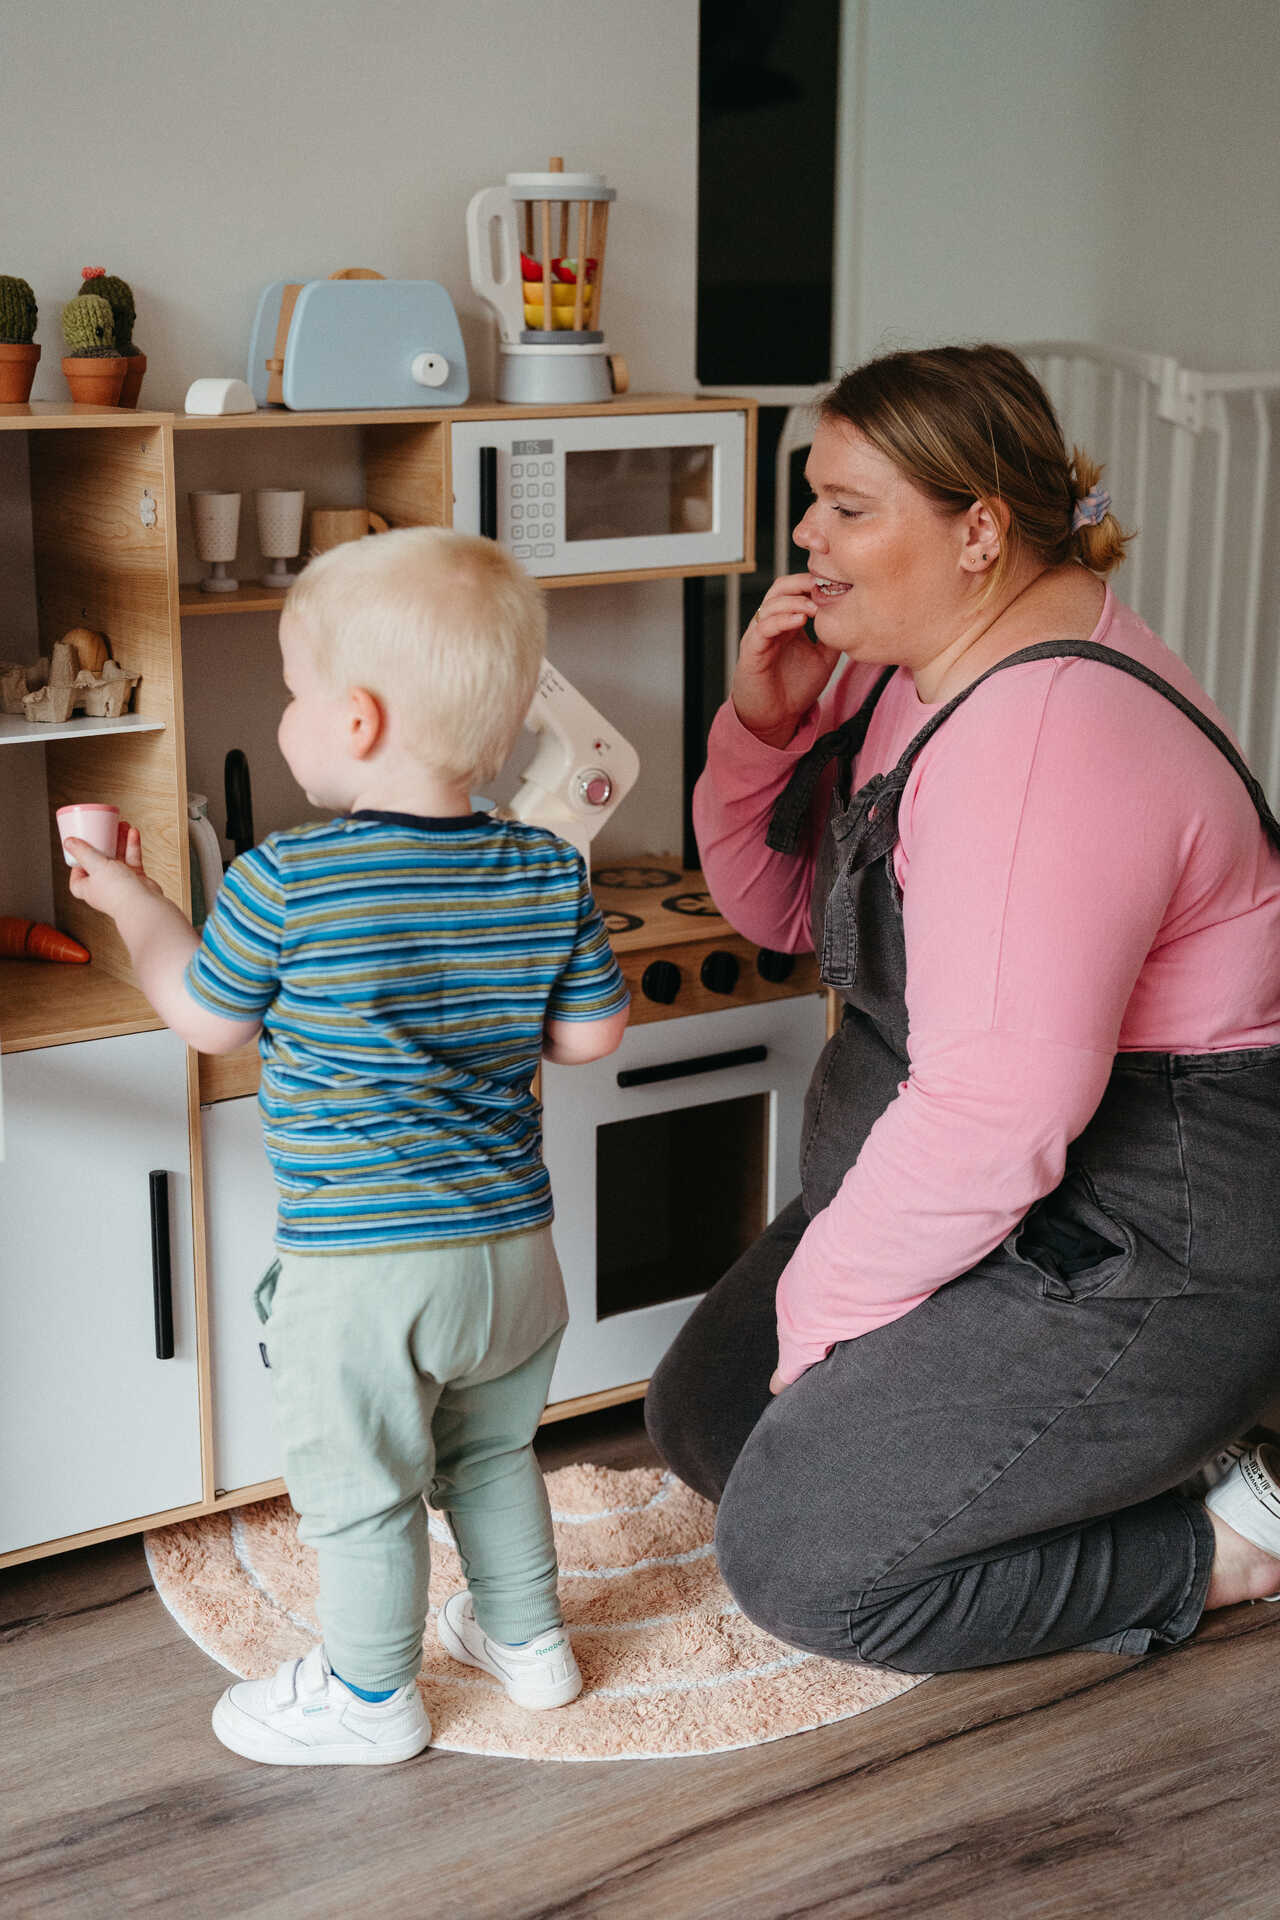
point(536, 249)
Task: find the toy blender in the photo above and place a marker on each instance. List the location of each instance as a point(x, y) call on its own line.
point(536, 251)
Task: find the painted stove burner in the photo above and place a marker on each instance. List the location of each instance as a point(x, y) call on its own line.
point(634, 878)
point(700, 906)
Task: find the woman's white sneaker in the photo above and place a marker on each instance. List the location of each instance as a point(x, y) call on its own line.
point(542, 1673)
point(1248, 1499)
point(305, 1717)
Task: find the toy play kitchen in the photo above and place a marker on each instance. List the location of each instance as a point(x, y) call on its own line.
point(536, 250)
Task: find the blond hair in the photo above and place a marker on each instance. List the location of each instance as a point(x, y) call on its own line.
point(445, 629)
point(974, 423)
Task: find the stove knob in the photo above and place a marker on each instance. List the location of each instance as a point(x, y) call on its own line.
point(774, 967)
point(593, 787)
point(719, 971)
point(660, 981)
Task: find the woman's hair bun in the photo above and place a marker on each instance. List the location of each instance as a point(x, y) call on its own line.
point(1100, 545)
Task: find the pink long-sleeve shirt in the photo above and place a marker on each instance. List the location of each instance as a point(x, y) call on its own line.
point(1082, 872)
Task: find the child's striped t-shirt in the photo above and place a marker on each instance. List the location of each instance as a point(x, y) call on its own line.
point(403, 968)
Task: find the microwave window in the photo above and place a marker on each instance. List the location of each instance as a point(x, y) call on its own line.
point(628, 493)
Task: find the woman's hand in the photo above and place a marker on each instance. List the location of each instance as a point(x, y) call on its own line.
point(781, 669)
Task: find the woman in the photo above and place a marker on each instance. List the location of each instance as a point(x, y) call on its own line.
point(1034, 1275)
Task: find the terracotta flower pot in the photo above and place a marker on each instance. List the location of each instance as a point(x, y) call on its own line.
point(136, 366)
point(98, 381)
point(17, 370)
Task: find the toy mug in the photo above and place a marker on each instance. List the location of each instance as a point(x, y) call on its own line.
point(330, 526)
point(92, 822)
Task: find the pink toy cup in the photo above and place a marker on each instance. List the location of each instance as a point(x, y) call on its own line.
point(92, 822)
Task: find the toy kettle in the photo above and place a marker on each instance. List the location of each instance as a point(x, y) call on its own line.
point(536, 250)
point(206, 857)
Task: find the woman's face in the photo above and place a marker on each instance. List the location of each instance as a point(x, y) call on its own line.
point(888, 567)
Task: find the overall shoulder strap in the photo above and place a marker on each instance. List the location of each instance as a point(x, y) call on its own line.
point(1109, 657)
point(791, 809)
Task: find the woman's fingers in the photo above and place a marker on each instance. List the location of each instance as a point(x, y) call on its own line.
point(131, 851)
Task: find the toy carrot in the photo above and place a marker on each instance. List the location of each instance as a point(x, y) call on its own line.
point(35, 940)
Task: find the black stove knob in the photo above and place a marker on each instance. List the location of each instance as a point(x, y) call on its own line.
point(660, 981)
point(774, 967)
point(719, 971)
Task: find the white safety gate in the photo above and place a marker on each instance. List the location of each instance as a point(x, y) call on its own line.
point(1188, 464)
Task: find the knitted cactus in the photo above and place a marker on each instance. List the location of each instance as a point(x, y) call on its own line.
point(118, 295)
point(88, 328)
point(17, 311)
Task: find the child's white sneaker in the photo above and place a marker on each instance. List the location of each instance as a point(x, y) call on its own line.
point(305, 1717)
point(541, 1673)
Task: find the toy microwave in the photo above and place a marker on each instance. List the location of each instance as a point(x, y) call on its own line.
point(577, 494)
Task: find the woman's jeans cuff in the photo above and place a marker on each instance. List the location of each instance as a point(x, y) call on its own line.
point(1185, 1617)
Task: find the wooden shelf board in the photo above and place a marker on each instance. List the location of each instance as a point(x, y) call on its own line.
point(247, 598)
point(473, 410)
point(43, 1004)
point(63, 413)
point(14, 731)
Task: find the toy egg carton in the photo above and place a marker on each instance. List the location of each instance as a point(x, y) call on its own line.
point(53, 690)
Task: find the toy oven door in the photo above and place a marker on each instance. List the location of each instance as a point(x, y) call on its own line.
point(666, 1161)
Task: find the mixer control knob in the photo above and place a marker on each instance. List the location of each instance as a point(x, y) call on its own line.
point(774, 967)
point(719, 971)
point(660, 981)
point(593, 787)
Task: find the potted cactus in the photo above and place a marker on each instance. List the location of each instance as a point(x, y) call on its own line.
point(18, 352)
point(94, 370)
point(118, 295)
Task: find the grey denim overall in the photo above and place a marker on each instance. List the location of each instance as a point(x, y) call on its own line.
point(987, 1478)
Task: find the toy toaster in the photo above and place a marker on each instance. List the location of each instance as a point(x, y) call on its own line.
point(357, 340)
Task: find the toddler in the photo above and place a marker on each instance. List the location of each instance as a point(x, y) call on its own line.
point(405, 961)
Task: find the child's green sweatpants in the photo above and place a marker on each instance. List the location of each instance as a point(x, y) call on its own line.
point(399, 1376)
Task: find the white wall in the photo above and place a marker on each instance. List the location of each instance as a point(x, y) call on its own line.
point(1195, 248)
point(1104, 170)
point(203, 151)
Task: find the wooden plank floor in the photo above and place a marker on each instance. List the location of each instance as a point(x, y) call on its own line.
point(1078, 1785)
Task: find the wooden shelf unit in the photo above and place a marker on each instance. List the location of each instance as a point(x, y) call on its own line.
point(100, 485)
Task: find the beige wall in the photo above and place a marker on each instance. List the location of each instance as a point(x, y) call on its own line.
point(1098, 169)
point(203, 151)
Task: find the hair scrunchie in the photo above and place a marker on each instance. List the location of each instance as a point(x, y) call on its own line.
point(1092, 509)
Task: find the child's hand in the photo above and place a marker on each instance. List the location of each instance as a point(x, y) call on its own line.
point(107, 884)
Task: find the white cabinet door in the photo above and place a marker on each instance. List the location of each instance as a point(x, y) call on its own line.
point(94, 1428)
point(240, 1224)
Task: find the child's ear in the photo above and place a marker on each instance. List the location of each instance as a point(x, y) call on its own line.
point(365, 720)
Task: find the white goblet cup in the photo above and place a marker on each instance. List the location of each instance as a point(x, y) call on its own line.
point(279, 531)
point(215, 520)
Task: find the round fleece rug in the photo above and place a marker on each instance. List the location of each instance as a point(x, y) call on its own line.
point(670, 1665)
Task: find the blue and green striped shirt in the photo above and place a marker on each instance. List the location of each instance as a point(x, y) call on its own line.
point(402, 968)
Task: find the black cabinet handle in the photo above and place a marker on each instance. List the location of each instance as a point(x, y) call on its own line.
point(489, 492)
point(161, 1264)
point(681, 1069)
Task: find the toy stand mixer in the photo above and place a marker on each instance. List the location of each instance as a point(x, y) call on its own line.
point(536, 251)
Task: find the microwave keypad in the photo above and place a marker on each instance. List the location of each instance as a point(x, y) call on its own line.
point(531, 513)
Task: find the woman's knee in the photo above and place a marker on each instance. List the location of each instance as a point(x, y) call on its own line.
point(675, 1417)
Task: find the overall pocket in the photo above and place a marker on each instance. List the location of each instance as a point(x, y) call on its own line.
point(1072, 1242)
